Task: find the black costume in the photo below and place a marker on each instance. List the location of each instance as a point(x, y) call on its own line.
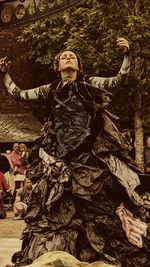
point(82, 174)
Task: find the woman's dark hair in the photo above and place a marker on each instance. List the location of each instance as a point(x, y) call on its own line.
point(4, 164)
point(57, 58)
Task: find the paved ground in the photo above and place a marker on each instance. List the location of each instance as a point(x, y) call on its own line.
point(10, 233)
point(7, 247)
point(10, 228)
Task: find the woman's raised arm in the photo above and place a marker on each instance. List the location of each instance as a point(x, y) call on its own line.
point(40, 92)
point(110, 82)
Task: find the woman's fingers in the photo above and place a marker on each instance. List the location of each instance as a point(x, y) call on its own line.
point(122, 43)
point(4, 65)
point(136, 242)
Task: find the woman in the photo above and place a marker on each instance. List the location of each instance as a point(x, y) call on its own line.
point(85, 199)
point(19, 169)
point(4, 187)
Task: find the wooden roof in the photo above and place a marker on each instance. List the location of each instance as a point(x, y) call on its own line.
point(19, 127)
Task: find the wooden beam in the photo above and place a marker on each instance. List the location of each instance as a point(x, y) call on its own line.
point(13, 13)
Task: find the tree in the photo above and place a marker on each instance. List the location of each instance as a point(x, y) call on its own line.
point(91, 29)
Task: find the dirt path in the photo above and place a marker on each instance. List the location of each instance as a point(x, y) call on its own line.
point(10, 228)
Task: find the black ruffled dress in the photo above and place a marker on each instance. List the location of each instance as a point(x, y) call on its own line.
point(81, 174)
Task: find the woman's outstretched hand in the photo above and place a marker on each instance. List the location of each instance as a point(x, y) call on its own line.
point(4, 65)
point(123, 44)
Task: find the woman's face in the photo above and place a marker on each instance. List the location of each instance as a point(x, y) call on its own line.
point(68, 60)
point(16, 147)
point(22, 147)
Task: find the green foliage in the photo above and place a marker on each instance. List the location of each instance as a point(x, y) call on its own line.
point(91, 30)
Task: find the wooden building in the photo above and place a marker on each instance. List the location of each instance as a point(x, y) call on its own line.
point(17, 122)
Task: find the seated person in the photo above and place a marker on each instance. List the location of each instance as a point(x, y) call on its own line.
point(3, 186)
point(22, 199)
point(2, 210)
point(147, 168)
point(3, 183)
point(4, 164)
point(24, 156)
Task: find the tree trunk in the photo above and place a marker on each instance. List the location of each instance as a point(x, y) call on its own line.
point(139, 133)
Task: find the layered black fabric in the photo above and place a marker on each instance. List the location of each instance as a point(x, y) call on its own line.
point(82, 173)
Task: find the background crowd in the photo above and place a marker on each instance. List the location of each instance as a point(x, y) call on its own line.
point(15, 187)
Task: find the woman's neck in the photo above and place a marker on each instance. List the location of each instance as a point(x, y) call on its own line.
point(68, 76)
